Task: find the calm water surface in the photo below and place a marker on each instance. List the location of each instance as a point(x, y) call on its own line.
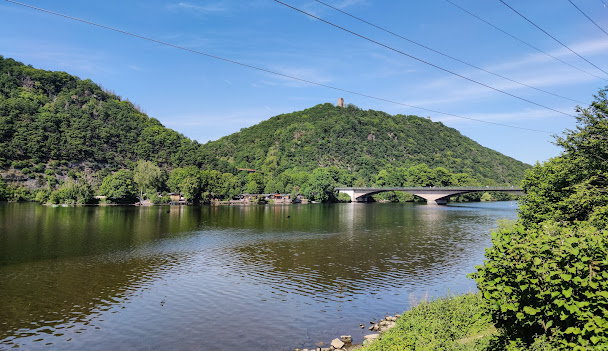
point(226, 278)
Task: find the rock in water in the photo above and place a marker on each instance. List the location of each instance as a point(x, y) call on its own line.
point(337, 343)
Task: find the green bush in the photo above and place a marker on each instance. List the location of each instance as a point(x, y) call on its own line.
point(487, 197)
point(545, 277)
point(4, 192)
point(549, 281)
point(18, 164)
point(450, 323)
point(72, 192)
point(342, 197)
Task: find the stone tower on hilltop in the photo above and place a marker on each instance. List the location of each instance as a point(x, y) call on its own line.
point(340, 102)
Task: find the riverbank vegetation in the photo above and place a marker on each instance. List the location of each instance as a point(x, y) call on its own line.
point(544, 282)
point(61, 137)
point(451, 323)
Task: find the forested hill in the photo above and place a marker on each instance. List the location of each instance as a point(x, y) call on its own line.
point(54, 126)
point(47, 115)
point(363, 142)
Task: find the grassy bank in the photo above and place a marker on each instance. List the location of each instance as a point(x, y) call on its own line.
point(451, 323)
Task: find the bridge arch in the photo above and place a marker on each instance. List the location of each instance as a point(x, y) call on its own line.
point(432, 195)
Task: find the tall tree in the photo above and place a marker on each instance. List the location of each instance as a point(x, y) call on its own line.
point(147, 176)
point(545, 276)
point(120, 187)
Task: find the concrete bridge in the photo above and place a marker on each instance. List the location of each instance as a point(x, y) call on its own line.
point(432, 195)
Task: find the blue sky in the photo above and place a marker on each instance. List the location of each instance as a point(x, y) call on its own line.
point(205, 98)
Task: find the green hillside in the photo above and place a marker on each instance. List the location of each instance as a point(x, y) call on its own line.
point(65, 139)
point(363, 142)
point(53, 116)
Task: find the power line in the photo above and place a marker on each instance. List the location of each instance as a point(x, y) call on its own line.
point(268, 71)
point(524, 42)
point(552, 37)
point(589, 18)
point(605, 5)
point(423, 61)
point(446, 55)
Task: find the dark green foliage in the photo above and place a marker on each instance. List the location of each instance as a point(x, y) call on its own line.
point(187, 181)
point(320, 186)
point(546, 276)
point(48, 115)
point(572, 187)
point(363, 142)
point(70, 192)
point(4, 193)
point(54, 125)
point(552, 280)
point(120, 187)
point(343, 198)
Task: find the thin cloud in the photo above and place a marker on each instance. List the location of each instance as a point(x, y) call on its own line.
point(201, 9)
point(535, 70)
point(348, 3)
point(590, 47)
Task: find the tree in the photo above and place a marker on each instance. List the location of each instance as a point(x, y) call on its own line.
point(147, 176)
point(255, 183)
point(420, 175)
point(3, 190)
point(231, 186)
point(212, 182)
point(382, 179)
point(572, 187)
point(186, 181)
point(320, 186)
point(120, 187)
point(545, 276)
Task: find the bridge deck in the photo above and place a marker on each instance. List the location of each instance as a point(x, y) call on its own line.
point(433, 195)
point(435, 189)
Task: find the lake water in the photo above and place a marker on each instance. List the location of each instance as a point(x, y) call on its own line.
point(226, 278)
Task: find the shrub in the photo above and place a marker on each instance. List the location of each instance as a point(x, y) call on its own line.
point(551, 280)
point(18, 164)
point(450, 323)
point(487, 197)
point(342, 197)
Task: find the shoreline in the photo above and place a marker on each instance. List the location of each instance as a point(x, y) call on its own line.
point(344, 342)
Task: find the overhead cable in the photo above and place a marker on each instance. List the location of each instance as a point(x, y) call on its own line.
point(269, 71)
point(589, 18)
point(524, 42)
point(552, 37)
point(423, 61)
point(446, 55)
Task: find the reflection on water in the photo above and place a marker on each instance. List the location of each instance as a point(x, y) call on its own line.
point(260, 277)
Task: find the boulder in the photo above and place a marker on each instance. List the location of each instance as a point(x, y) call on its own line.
point(347, 339)
point(337, 343)
point(371, 337)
